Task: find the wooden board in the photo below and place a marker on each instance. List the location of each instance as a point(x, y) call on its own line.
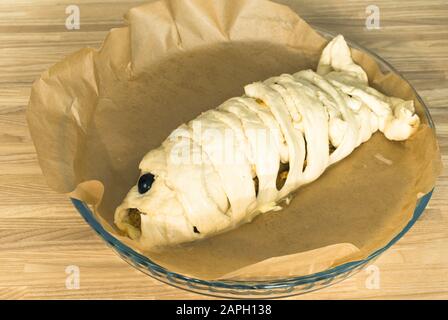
point(40, 231)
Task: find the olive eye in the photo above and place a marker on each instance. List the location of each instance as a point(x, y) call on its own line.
point(145, 182)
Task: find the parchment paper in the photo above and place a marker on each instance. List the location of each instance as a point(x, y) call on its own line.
point(95, 114)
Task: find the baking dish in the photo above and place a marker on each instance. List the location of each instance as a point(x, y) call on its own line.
point(258, 289)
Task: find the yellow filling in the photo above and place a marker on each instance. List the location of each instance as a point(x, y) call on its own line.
point(132, 223)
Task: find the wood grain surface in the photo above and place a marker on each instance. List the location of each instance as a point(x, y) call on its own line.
point(40, 231)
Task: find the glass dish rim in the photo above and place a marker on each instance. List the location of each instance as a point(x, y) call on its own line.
point(140, 259)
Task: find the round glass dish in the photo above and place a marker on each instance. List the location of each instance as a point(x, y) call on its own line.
point(254, 289)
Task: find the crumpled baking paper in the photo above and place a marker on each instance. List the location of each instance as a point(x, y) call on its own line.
point(95, 114)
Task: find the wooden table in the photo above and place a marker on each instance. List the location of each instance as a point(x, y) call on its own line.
point(40, 231)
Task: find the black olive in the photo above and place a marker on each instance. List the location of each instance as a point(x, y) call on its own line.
point(145, 182)
point(195, 230)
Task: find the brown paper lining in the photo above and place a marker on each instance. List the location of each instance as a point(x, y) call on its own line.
point(95, 114)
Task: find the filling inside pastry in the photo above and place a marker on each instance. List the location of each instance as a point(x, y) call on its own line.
point(132, 223)
point(282, 175)
point(256, 184)
point(134, 218)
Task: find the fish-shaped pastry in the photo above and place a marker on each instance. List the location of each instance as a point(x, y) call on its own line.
point(243, 158)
